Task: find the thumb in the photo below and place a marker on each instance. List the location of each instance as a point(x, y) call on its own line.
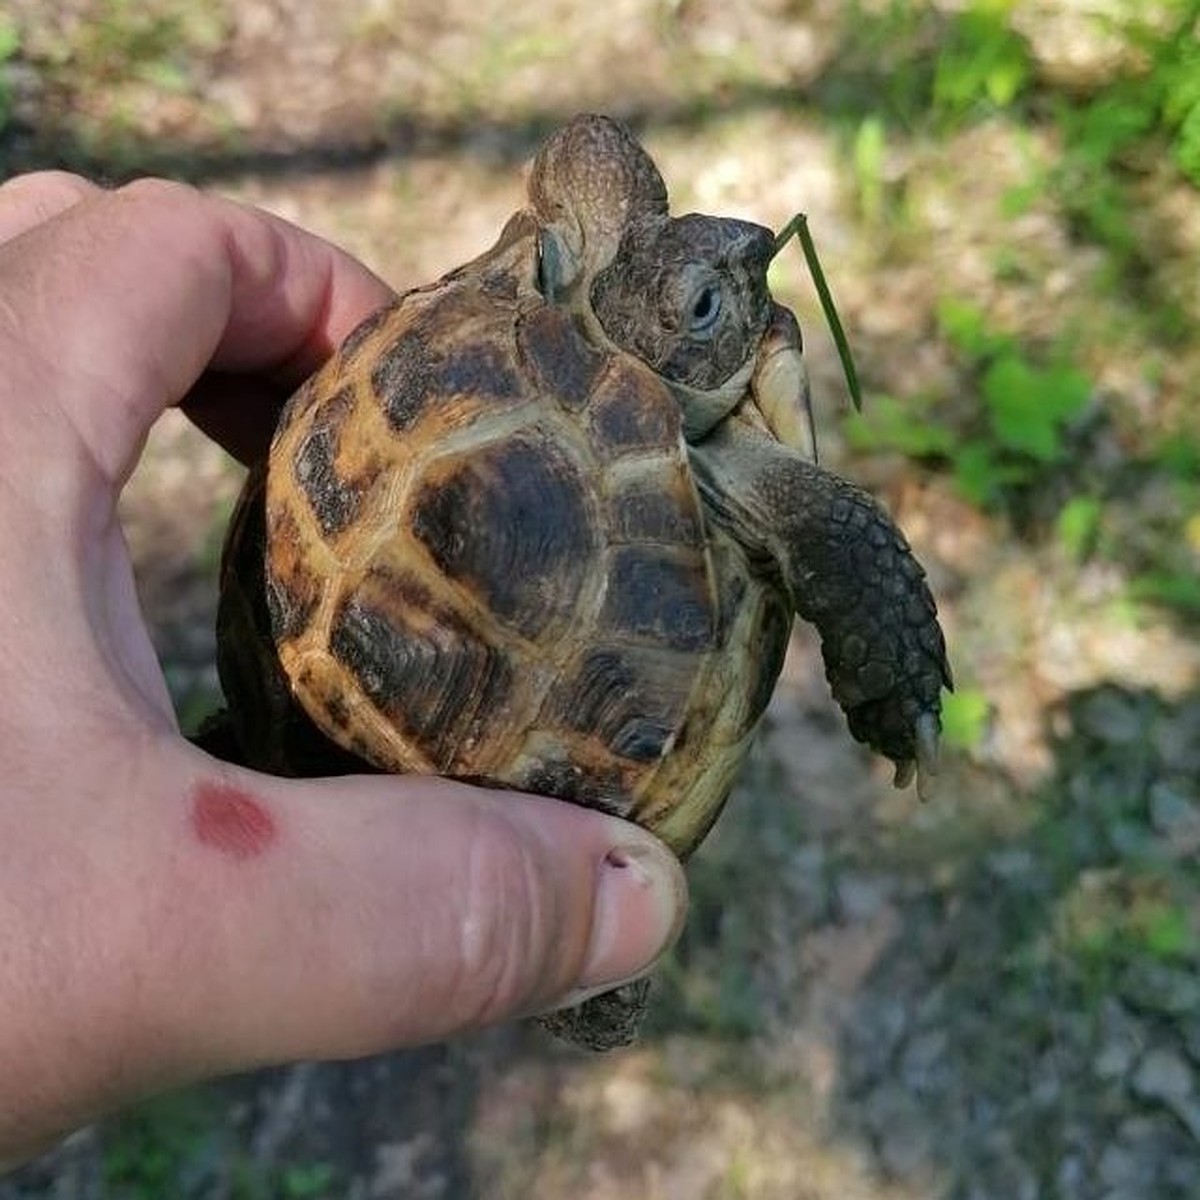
point(333, 918)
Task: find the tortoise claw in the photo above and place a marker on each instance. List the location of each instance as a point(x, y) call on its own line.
point(927, 785)
point(928, 733)
point(924, 767)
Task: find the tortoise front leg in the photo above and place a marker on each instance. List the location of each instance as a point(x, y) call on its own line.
point(848, 570)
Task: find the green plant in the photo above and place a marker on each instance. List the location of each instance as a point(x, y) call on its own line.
point(130, 41)
point(870, 145)
point(308, 1181)
point(1116, 917)
point(1028, 405)
point(1177, 590)
point(10, 43)
point(145, 1148)
point(907, 426)
point(965, 716)
point(1079, 525)
point(1159, 100)
point(1174, 82)
point(916, 65)
point(1164, 565)
point(983, 63)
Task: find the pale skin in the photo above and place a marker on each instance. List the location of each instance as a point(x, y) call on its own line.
point(164, 917)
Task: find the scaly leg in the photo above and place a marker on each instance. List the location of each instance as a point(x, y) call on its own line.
point(850, 572)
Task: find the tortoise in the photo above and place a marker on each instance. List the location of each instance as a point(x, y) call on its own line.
point(545, 524)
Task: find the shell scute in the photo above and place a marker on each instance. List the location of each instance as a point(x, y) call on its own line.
point(438, 683)
point(557, 357)
point(635, 712)
point(513, 523)
point(660, 598)
point(634, 412)
point(333, 496)
point(661, 512)
point(293, 591)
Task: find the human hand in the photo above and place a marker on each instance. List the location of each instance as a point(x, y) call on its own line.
point(165, 917)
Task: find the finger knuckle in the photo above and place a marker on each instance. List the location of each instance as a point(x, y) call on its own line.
point(511, 932)
point(153, 190)
point(47, 193)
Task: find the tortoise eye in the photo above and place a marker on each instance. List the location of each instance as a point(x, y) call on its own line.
point(705, 309)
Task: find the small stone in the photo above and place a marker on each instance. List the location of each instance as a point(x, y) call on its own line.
point(1115, 1059)
point(1071, 1176)
point(1119, 1165)
point(1188, 1112)
point(1013, 862)
point(1177, 740)
point(398, 1167)
point(1163, 1075)
point(1175, 816)
point(1111, 716)
point(1191, 1036)
point(905, 1149)
point(860, 897)
point(1160, 988)
point(902, 1132)
point(1128, 838)
point(922, 1055)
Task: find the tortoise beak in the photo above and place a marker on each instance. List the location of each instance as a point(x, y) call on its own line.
point(779, 385)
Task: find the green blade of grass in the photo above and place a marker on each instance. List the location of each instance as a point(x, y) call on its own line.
point(798, 226)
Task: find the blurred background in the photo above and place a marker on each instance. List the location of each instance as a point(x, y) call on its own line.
point(991, 996)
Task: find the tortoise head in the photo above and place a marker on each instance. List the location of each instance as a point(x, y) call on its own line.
point(687, 295)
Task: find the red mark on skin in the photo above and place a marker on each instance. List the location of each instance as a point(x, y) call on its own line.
point(231, 821)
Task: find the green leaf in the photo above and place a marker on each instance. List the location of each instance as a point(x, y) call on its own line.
point(1028, 405)
point(1111, 123)
point(1078, 524)
point(165, 75)
point(978, 474)
point(869, 149)
point(965, 716)
point(1187, 145)
point(893, 424)
point(10, 39)
point(1005, 80)
point(306, 1181)
point(1175, 590)
point(983, 61)
point(1180, 456)
point(964, 326)
point(1017, 200)
point(1168, 932)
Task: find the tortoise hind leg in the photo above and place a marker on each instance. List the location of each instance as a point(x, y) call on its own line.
point(849, 571)
point(605, 1022)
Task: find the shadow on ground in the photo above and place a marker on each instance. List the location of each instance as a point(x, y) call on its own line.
point(501, 144)
point(1031, 1029)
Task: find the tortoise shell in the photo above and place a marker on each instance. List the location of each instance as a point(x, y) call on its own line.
point(489, 560)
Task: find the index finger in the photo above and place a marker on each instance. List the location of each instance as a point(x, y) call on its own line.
point(111, 311)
